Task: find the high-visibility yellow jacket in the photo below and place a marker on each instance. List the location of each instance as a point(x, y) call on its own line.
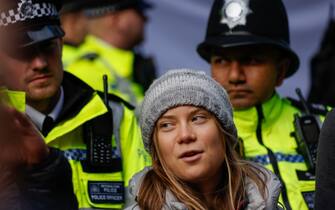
point(70, 54)
point(96, 59)
point(16, 99)
point(266, 133)
point(121, 60)
point(98, 189)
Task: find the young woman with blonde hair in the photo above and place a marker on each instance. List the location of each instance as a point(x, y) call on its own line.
point(187, 127)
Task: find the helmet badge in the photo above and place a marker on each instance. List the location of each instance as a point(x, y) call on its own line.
point(26, 8)
point(234, 12)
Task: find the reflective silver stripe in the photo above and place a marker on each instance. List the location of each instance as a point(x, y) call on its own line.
point(117, 110)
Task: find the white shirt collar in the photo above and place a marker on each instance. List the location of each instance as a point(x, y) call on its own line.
point(38, 118)
point(56, 110)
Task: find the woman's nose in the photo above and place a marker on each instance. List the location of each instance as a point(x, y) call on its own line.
point(186, 134)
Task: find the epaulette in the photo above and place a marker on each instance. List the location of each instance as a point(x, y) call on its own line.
point(317, 109)
point(117, 99)
point(89, 56)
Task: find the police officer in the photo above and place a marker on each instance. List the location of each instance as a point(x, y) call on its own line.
point(97, 132)
point(116, 28)
point(247, 46)
point(74, 23)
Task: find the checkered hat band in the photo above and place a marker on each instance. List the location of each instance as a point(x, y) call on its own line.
point(99, 11)
point(39, 10)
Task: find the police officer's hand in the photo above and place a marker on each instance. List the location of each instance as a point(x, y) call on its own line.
point(21, 144)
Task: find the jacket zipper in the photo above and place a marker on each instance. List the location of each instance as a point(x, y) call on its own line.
point(271, 155)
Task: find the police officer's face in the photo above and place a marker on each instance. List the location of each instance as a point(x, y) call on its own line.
point(249, 74)
point(131, 26)
point(36, 70)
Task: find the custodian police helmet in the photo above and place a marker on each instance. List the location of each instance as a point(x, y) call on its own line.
point(235, 23)
point(27, 22)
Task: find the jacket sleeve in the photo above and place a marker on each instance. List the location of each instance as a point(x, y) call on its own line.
point(48, 185)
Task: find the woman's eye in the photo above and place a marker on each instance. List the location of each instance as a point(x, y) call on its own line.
point(165, 126)
point(199, 118)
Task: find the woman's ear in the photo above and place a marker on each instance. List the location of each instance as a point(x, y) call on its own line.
point(282, 68)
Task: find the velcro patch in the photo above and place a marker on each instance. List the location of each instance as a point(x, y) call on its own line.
point(106, 192)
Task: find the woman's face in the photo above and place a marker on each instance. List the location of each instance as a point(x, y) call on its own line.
point(191, 144)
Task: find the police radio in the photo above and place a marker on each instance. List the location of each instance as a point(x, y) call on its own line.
point(98, 134)
point(307, 132)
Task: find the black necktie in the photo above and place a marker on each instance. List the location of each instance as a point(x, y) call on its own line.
point(47, 125)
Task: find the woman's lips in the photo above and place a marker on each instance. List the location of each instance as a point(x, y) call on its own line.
point(191, 156)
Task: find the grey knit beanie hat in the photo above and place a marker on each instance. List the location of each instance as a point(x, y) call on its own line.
point(184, 87)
